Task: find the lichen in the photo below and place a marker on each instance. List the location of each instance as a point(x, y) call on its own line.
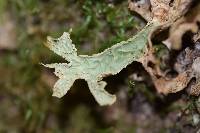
point(94, 68)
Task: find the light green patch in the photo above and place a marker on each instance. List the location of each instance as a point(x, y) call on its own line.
point(94, 68)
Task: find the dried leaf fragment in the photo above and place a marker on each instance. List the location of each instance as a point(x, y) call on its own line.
point(163, 11)
point(178, 29)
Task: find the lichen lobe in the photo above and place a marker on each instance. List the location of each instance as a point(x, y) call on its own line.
point(94, 68)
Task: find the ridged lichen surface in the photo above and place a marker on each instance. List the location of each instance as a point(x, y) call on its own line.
point(93, 68)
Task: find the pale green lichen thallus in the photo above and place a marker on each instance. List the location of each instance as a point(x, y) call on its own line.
point(93, 68)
